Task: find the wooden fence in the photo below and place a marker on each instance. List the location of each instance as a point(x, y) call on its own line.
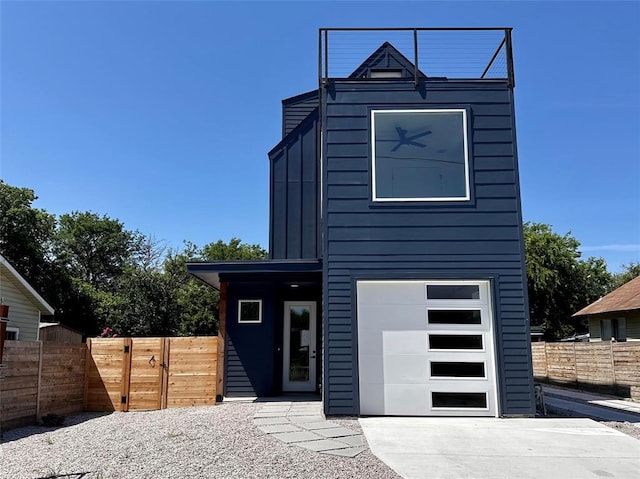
point(40, 378)
point(114, 374)
point(150, 373)
point(605, 366)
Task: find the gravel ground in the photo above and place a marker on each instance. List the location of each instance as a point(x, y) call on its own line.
point(219, 441)
point(625, 427)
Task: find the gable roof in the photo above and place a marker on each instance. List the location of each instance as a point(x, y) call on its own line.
point(625, 298)
point(25, 287)
point(386, 57)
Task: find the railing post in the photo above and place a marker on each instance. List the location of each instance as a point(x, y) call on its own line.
point(415, 57)
point(510, 71)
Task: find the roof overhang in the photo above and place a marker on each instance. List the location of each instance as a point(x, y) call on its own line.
point(25, 287)
point(215, 273)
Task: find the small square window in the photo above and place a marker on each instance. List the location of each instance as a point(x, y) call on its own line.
point(249, 311)
point(420, 155)
point(12, 334)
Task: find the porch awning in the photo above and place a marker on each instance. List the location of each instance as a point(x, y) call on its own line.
point(284, 270)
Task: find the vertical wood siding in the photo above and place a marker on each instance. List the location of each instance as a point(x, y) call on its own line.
point(473, 240)
point(295, 198)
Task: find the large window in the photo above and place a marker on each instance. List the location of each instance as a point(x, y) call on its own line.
point(420, 155)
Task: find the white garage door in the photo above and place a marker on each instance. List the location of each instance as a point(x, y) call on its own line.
point(425, 348)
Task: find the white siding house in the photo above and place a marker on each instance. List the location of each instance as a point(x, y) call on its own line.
point(25, 304)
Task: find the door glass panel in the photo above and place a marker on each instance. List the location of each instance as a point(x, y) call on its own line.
point(457, 370)
point(455, 341)
point(477, 400)
point(453, 291)
point(299, 339)
point(454, 316)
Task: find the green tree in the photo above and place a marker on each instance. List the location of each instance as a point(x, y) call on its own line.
point(198, 302)
point(559, 283)
point(630, 271)
point(95, 249)
point(26, 234)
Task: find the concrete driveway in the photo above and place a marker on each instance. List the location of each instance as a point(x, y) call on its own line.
point(494, 448)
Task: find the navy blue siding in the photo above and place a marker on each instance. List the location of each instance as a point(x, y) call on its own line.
point(249, 365)
point(296, 109)
point(479, 239)
point(295, 196)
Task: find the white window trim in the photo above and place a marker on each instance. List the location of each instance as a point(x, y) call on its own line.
point(11, 329)
point(467, 196)
point(259, 301)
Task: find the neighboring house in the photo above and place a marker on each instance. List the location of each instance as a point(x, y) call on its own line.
point(395, 283)
point(25, 304)
point(59, 333)
point(616, 315)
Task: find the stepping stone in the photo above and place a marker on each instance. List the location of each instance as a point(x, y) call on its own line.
point(260, 414)
point(352, 440)
point(347, 452)
point(321, 445)
point(300, 436)
point(303, 412)
point(303, 419)
point(269, 421)
point(312, 426)
point(275, 409)
point(335, 432)
point(277, 428)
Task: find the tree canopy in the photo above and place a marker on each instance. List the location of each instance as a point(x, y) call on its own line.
point(97, 274)
point(559, 281)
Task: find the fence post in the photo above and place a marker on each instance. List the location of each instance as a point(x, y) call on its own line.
point(126, 374)
point(613, 367)
point(87, 367)
point(164, 363)
point(39, 381)
point(222, 327)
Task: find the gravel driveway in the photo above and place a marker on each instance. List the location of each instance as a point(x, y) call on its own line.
point(204, 442)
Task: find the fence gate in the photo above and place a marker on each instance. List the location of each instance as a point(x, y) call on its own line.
point(150, 373)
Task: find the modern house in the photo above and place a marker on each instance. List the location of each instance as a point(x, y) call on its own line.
point(615, 316)
point(25, 304)
point(395, 283)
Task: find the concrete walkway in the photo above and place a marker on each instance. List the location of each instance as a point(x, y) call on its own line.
point(493, 448)
point(302, 424)
point(607, 408)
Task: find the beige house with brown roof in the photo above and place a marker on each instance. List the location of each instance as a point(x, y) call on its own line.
point(615, 316)
point(25, 304)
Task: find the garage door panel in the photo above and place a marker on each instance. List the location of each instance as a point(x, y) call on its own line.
point(393, 317)
point(406, 399)
point(374, 371)
point(416, 364)
point(395, 293)
point(404, 342)
point(371, 398)
point(405, 369)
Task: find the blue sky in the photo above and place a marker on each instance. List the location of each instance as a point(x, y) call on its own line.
point(160, 114)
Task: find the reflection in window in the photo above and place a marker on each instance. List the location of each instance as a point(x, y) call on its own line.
point(299, 339)
point(471, 400)
point(457, 370)
point(455, 341)
point(250, 311)
point(453, 291)
point(460, 316)
point(420, 155)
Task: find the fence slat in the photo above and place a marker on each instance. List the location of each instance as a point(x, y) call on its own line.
point(602, 365)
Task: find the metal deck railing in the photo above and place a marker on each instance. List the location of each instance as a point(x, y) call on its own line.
point(453, 53)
